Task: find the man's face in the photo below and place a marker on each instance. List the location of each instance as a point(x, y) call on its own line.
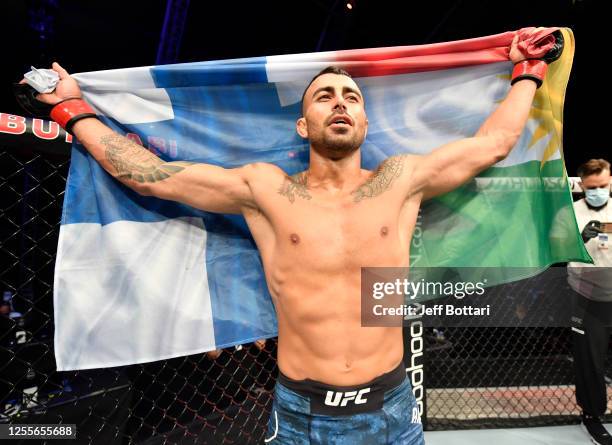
point(334, 116)
point(596, 181)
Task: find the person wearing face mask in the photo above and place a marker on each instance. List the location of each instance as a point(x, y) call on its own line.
point(592, 294)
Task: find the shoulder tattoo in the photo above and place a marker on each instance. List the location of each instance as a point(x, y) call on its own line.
point(382, 178)
point(132, 161)
point(295, 185)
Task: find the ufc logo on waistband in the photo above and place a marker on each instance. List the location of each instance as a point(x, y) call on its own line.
point(333, 398)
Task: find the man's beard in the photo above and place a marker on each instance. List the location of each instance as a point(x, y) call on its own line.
point(339, 145)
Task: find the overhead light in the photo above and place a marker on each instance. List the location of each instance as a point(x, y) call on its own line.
point(350, 4)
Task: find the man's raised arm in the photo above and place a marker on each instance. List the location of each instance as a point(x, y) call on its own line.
point(453, 164)
point(203, 186)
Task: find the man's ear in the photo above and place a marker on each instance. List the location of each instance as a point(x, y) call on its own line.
point(301, 127)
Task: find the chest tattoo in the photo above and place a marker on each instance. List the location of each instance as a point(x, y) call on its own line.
point(295, 185)
point(382, 179)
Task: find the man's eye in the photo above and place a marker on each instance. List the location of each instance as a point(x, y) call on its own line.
point(325, 96)
point(352, 98)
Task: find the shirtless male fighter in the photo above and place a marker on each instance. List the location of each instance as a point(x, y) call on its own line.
point(315, 230)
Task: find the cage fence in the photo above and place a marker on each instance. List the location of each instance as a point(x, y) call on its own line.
point(474, 376)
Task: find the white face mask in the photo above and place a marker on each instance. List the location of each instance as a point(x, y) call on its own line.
point(597, 197)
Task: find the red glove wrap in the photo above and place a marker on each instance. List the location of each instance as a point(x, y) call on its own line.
point(532, 69)
point(67, 112)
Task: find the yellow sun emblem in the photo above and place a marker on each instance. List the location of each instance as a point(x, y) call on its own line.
point(547, 107)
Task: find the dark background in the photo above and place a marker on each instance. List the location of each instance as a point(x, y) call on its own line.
point(96, 35)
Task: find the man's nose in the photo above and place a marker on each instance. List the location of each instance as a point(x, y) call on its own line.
point(340, 106)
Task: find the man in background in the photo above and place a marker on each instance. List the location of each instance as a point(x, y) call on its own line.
point(592, 298)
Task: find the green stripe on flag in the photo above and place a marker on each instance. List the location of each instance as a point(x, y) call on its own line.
point(508, 219)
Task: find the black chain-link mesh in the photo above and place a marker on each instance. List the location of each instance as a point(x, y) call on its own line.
point(474, 376)
point(520, 373)
point(499, 377)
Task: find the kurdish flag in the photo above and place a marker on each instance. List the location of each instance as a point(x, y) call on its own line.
point(140, 279)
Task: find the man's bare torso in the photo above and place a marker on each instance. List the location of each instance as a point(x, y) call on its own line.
point(313, 242)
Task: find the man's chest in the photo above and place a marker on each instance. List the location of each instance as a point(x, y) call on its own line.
point(343, 235)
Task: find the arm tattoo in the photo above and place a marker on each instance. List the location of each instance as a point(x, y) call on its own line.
point(295, 185)
point(382, 179)
point(131, 161)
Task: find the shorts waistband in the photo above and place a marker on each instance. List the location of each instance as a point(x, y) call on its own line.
point(345, 400)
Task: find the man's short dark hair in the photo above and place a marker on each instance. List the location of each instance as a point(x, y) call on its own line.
point(332, 69)
point(593, 167)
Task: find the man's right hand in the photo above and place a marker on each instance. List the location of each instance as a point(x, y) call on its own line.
point(64, 104)
point(591, 230)
point(66, 88)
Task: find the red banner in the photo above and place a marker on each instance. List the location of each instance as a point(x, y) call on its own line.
point(25, 135)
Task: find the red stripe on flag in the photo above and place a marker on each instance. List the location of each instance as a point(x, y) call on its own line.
point(436, 56)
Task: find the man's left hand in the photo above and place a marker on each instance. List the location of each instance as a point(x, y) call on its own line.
point(518, 51)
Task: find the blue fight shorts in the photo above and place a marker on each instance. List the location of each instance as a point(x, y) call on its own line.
point(382, 411)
